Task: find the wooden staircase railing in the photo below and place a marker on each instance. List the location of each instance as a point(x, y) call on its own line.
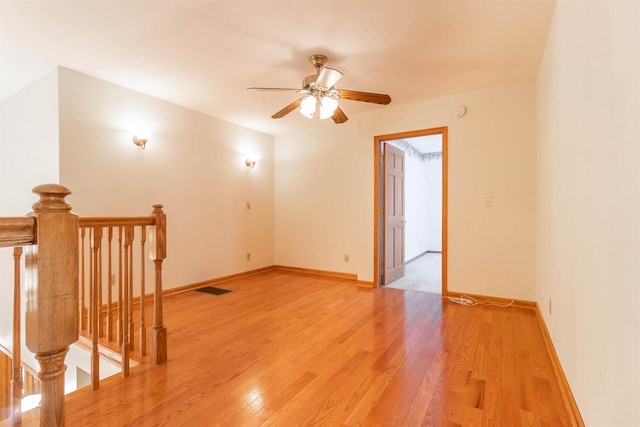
point(98, 270)
point(51, 239)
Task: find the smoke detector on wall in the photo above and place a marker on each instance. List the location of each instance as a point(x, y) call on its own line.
point(460, 111)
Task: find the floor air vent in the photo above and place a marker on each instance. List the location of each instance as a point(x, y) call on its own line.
point(212, 290)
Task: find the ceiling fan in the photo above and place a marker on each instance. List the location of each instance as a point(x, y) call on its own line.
point(320, 98)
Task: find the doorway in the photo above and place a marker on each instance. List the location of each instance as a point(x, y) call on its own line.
point(411, 241)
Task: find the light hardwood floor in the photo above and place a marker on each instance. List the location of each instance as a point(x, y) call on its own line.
point(290, 350)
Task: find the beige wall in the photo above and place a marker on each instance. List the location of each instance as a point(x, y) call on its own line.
point(589, 204)
point(324, 190)
point(320, 202)
point(193, 164)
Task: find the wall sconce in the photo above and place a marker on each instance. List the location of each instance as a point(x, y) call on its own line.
point(140, 142)
point(140, 138)
point(250, 162)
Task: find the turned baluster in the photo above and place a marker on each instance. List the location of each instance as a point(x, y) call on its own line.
point(92, 295)
point(159, 253)
point(16, 361)
point(126, 340)
point(96, 240)
point(90, 291)
point(98, 287)
point(51, 285)
point(143, 326)
point(83, 308)
point(120, 293)
point(109, 284)
point(129, 232)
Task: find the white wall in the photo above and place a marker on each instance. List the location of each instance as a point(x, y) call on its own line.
point(324, 189)
point(415, 207)
point(28, 144)
point(193, 164)
point(423, 206)
point(434, 205)
point(589, 204)
point(28, 157)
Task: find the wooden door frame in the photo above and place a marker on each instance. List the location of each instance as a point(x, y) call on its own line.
point(377, 145)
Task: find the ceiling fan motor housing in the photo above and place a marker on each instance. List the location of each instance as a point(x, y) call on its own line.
point(309, 82)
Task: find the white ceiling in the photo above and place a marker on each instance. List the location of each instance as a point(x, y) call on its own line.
point(427, 143)
point(204, 54)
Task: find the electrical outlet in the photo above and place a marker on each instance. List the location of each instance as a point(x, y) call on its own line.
point(488, 201)
point(549, 306)
point(346, 257)
point(248, 256)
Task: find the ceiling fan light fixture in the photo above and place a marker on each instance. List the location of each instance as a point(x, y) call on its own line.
point(328, 106)
point(327, 78)
point(308, 106)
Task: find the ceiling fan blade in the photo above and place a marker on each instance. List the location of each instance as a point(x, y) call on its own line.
point(327, 78)
point(274, 89)
point(375, 98)
point(286, 110)
point(339, 116)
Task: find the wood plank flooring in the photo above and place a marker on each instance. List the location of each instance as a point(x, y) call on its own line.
point(291, 350)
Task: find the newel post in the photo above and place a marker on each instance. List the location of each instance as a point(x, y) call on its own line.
point(159, 331)
point(51, 283)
